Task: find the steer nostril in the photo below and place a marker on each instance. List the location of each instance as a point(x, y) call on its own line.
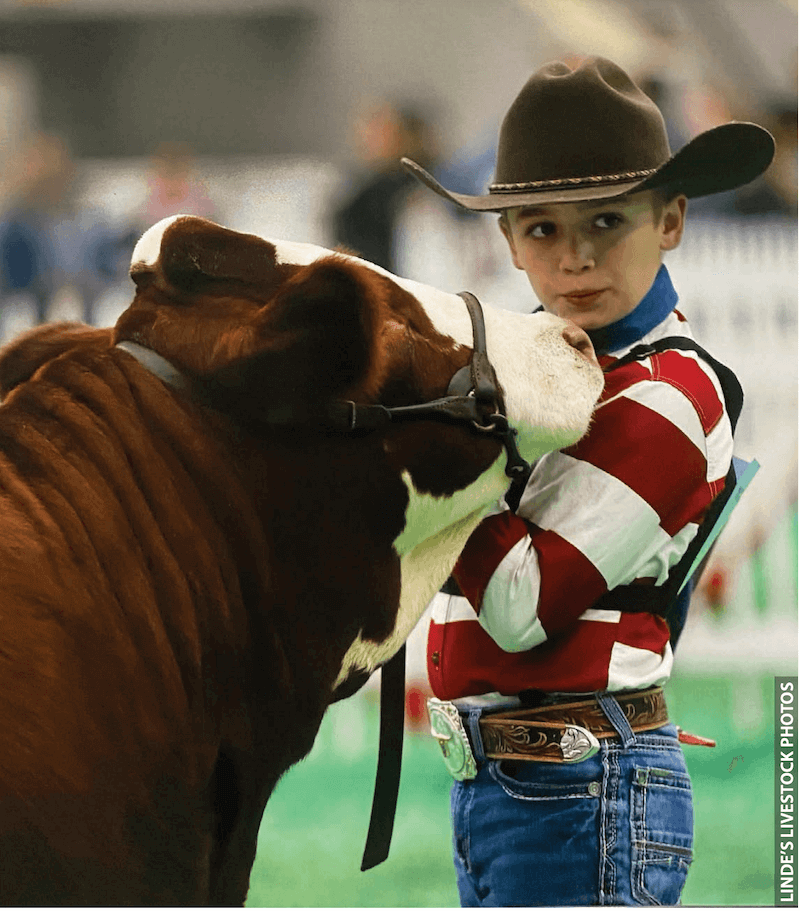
point(579, 340)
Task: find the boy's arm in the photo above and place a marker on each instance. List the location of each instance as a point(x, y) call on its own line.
point(620, 506)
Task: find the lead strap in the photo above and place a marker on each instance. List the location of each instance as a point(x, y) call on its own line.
point(390, 757)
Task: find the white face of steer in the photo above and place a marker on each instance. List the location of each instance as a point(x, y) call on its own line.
point(550, 389)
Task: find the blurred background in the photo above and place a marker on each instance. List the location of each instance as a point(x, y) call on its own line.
point(287, 118)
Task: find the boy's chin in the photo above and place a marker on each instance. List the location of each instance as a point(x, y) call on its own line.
point(586, 321)
point(588, 318)
point(591, 319)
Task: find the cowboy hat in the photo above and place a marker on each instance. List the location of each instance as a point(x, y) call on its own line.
point(592, 133)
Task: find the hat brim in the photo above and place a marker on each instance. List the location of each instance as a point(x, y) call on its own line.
point(720, 159)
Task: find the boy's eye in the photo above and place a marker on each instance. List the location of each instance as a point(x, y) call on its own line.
point(608, 220)
point(541, 229)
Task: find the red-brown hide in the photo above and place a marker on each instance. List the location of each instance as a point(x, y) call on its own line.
point(179, 581)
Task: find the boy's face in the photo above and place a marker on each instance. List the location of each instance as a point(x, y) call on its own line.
point(593, 262)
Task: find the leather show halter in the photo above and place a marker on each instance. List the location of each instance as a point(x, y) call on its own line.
point(473, 397)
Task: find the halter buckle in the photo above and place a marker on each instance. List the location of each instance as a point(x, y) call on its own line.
point(497, 424)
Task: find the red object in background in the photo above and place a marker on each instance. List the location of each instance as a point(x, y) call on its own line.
point(715, 588)
point(416, 708)
point(695, 739)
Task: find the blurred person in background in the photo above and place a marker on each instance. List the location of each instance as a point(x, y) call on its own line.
point(774, 193)
point(555, 614)
point(174, 187)
point(694, 109)
point(364, 221)
point(56, 255)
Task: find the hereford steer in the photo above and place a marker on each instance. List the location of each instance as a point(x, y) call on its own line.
point(199, 553)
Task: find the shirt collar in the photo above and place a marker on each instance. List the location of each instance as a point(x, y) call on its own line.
point(653, 309)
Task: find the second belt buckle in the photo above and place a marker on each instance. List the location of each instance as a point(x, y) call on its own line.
point(449, 731)
point(578, 743)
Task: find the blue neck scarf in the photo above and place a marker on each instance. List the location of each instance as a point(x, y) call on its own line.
point(653, 308)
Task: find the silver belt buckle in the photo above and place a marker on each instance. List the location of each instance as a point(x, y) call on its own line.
point(578, 743)
point(448, 730)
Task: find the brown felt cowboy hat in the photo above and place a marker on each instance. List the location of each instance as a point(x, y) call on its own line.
point(592, 133)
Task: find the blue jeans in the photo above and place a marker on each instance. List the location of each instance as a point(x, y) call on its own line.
point(615, 829)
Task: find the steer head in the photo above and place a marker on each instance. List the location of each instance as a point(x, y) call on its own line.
point(272, 333)
point(276, 332)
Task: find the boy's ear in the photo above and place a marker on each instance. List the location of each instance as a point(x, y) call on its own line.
point(506, 229)
point(673, 221)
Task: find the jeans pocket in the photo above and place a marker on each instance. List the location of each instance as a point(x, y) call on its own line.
point(547, 781)
point(661, 834)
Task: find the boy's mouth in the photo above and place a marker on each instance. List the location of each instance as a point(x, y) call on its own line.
point(583, 298)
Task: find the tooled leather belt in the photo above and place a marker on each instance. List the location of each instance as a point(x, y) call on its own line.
point(566, 731)
point(541, 734)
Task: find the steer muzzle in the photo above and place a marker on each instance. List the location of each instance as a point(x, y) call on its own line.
point(575, 336)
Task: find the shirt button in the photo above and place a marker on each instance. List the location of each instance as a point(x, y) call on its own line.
point(435, 659)
point(594, 788)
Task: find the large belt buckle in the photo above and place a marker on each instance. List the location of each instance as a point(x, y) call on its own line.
point(449, 731)
point(578, 743)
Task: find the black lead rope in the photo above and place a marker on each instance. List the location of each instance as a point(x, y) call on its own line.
point(474, 393)
point(390, 756)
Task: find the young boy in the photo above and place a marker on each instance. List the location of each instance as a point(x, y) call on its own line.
point(579, 792)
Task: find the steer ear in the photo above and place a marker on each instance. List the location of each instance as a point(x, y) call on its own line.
point(190, 255)
point(314, 340)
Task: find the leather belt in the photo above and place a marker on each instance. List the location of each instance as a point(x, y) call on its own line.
point(557, 733)
point(561, 732)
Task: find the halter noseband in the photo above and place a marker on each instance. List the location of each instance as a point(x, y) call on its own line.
point(473, 397)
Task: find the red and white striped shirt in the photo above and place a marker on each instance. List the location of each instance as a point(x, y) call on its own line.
point(619, 507)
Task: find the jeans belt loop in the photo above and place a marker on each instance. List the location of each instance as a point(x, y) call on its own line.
point(613, 711)
point(473, 724)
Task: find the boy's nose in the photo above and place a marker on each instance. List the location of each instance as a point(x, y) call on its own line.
point(577, 255)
